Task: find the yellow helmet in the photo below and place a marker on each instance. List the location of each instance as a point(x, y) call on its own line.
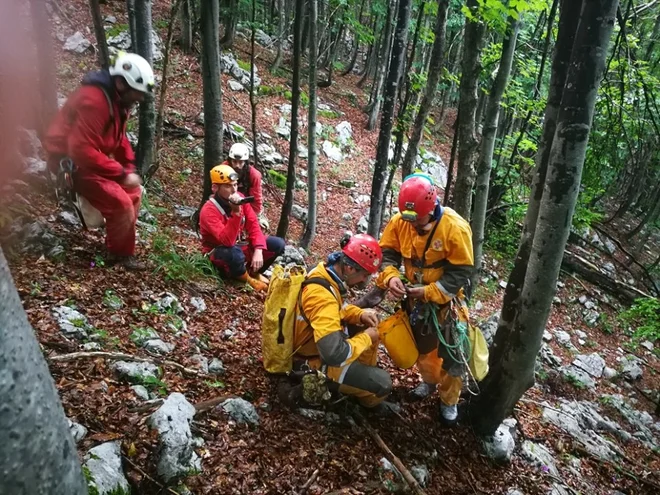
point(223, 174)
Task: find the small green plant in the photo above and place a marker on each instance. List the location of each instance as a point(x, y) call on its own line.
point(277, 178)
point(99, 335)
point(36, 289)
point(575, 381)
point(99, 261)
point(328, 114)
point(645, 315)
point(176, 265)
point(155, 384)
point(112, 300)
point(116, 30)
point(214, 383)
point(244, 65)
point(140, 335)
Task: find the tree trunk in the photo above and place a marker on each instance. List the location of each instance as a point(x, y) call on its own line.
point(147, 129)
point(283, 226)
point(568, 23)
point(467, 139)
point(356, 47)
point(382, 149)
point(230, 14)
point(132, 24)
point(452, 162)
point(312, 157)
point(253, 92)
point(488, 145)
point(37, 451)
point(280, 37)
point(101, 44)
point(435, 70)
point(382, 66)
point(212, 89)
point(186, 27)
point(513, 373)
point(46, 66)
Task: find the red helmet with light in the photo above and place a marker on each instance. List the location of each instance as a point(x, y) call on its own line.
point(417, 197)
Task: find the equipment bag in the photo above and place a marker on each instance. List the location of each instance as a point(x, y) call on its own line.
point(277, 327)
point(397, 337)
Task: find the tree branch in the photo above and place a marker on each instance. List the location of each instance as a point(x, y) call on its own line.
point(122, 356)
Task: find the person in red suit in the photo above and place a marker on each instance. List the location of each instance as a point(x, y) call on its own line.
point(90, 129)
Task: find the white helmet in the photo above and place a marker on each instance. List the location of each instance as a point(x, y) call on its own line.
point(239, 151)
point(135, 70)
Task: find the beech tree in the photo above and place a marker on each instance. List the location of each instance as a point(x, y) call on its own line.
point(101, 43)
point(46, 65)
point(147, 128)
point(518, 338)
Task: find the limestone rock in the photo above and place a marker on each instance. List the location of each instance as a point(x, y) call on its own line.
point(103, 464)
point(135, 372)
point(500, 446)
point(240, 411)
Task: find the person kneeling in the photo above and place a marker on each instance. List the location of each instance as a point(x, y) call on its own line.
point(321, 339)
point(222, 220)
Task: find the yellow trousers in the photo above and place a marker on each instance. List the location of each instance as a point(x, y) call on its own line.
point(449, 387)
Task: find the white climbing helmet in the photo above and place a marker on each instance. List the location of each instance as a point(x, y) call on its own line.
point(135, 70)
point(239, 151)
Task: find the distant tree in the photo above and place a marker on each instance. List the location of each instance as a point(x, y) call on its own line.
point(147, 128)
point(381, 69)
point(280, 36)
point(45, 66)
point(230, 12)
point(187, 26)
point(132, 26)
point(101, 43)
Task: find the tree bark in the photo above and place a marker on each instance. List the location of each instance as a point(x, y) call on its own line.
point(186, 26)
point(513, 373)
point(435, 71)
point(312, 157)
point(212, 90)
point(384, 58)
point(230, 14)
point(132, 25)
point(283, 225)
point(46, 66)
point(484, 162)
point(101, 44)
point(37, 452)
point(147, 128)
point(467, 139)
point(382, 149)
point(253, 92)
point(568, 23)
point(280, 37)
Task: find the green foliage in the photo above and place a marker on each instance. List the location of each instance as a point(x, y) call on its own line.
point(115, 29)
point(140, 335)
point(112, 300)
point(328, 114)
point(214, 383)
point(504, 238)
point(645, 315)
point(275, 90)
point(154, 384)
point(277, 178)
point(176, 265)
point(244, 65)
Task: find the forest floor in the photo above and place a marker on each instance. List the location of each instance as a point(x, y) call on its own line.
point(280, 454)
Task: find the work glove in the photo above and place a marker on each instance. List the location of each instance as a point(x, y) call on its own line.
point(263, 223)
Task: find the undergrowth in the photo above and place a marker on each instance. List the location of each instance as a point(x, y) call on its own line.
point(645, 315)
point(177, 265)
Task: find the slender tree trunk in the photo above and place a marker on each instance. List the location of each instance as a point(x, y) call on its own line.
point(651, 214)
point(147, 129)
point(382, 149)
point(230, 15)
point(488, 146)
point(132, 24)
point(356, 41)
point(101, 44)
point(212, 90)
point(467, 139)
point(283, 226)
point(435, 71)
point(37, 451)
point(568, 23)
point(46, 66)
point(253, 92)
point(163, 86)
point(312, 157)
point(452, 162)
point(186, 26)
point(382, 66)
point(513, 373)
point(280, 37)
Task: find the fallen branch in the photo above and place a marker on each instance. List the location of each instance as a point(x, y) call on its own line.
point(141, 471)
point(120, 355)
point(207, 405)
point(309, 482)
point(147, 406)
point(408, 478)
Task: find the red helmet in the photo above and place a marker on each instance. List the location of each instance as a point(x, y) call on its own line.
point(364, 250)
point(417, 196)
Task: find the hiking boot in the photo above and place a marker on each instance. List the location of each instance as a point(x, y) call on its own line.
point(448, 414)
point(130, 263)
point(422, 391)
point(385, 409)
point(256, 284)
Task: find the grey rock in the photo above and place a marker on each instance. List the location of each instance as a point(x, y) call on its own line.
point(609, 373)
point(431, 163)
point(421, 474)
point(69, 218)
point(363, 199)
point(78, 431)
point(157, 346)
point(240, 411)
point(262, 38)
point(591, 363)
point(285, 109)
point(547, 336)
point(91, 346)
point(135, 372)
point(580, 334)
point(583, 299)
point(303, 152)
point(538, 455)
point(313, 414)
point(386, 465)
point(489, 327)
point(216, 367)
point(268, 154)
point(146, 216)
point(558, 489)
point(344, 133)
point(591, 317)
point(176, 457)
point(169, 303)
point(228, 334)
point(500, 446)
point(283, 129)
point(141, 392)
point(103, 463)
point(549, 357)
point(514, 491)
point(647, 345)
point(610, 246)
point(503, 284)
point(184, 212)
point(77, 43)
point(609, 268)
point(299, 213)
point(590, 305)
point(556, 301)
point(228, 63)
point(478, 306)
point(198, 303)
point(563, 337)
point(347, 217)
point(631, 370)
point(143, 335)
point(235, 85)
point(641, 421)
point(110, 19)
point(72, 323)
point(332, 151)
point(238, 131)
point(362, 225)
point(291, 255)
point(202, 362)
point(122, 41)
point(35, 167)
point(577, 376)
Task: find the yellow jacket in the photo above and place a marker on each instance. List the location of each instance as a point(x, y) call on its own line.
point(326, 337)
point(449, 259)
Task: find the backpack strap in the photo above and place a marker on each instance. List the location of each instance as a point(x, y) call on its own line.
point(313, 280)
point(106, 128)
point(422, 263)
point(220, 208)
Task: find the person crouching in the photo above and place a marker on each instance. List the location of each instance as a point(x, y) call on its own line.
point(222, 220)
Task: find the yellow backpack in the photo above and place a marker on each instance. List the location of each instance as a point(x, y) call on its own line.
point(277, 327)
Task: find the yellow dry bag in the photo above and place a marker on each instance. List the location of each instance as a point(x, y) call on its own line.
point(396, 335)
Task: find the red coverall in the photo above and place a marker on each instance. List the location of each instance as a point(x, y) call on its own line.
point(250, 185)
point(84, 131)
